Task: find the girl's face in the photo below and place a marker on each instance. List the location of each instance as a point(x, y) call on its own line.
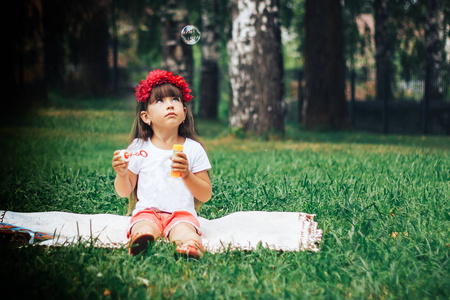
point(165, 112)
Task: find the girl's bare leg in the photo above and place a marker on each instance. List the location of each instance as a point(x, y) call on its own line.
point(184, 234)
point(146, 227)
point(142, 233)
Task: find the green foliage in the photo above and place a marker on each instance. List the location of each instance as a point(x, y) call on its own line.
point(382, 202)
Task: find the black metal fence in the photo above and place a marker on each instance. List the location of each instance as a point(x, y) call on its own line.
point(408, 111)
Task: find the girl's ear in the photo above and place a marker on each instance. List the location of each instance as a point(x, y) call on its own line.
point(145, 117)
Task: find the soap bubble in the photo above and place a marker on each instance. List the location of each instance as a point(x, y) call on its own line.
point(190, 34)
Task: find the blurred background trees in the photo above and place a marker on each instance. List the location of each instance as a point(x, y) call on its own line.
point(371, 64)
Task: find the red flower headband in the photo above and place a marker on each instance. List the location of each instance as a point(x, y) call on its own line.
point(157, 77)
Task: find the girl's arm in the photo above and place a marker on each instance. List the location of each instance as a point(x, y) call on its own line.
point(198, 184)
point(125, 179)
point(125, 184)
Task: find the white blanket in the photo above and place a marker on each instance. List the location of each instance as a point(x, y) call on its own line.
point(246, 230)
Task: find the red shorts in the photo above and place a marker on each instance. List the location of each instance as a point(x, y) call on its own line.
point(164, 220)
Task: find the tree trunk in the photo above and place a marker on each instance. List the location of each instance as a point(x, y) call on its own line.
point(25, 60)
point(324, 103)
point(14, 66)
point(87, 35)
point(433, 44)
point(433, 40)
point(256, 67)
point(176, 55)
point(54, 30)
point(383, 52)
point(209, 92)
point(97, 60)
point(115, 45)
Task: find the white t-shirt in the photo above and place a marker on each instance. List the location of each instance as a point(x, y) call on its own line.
point(155, 188)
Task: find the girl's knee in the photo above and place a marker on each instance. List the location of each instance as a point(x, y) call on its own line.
point(146, 227)
point(183, 231)
point(183, 227)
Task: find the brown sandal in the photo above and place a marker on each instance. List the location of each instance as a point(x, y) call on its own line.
point(195, 251)
point(139, 242)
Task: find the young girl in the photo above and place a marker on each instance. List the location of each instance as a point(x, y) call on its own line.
point(164, 205)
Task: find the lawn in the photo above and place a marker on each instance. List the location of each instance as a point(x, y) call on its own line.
point(382, 202)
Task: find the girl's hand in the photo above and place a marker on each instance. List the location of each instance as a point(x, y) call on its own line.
point(121, 167)
point(180, 164)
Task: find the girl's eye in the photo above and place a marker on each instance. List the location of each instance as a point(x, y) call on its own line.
point(159, 101)
point(175, 99)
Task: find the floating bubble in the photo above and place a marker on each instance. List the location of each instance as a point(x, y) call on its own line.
point(190, 34)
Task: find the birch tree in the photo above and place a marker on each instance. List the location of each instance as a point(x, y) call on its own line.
point(256, 67)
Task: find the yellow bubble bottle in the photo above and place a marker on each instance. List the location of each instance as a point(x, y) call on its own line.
point(176, 148)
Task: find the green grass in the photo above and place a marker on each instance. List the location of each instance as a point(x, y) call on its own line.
point(363, 187)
